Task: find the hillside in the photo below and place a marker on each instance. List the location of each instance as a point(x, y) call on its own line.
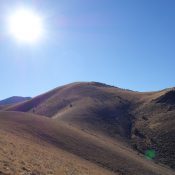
point(139, 121)
point(31, 144)
point(79, 101)
point(38, 145)
point(13, 100)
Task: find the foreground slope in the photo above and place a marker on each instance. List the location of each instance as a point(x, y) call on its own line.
point(142, 121)
point(35, 144)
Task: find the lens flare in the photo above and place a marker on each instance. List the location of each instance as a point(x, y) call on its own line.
point(150, 154)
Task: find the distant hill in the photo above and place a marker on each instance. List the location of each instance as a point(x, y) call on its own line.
point(13, 100)
point(142, 121)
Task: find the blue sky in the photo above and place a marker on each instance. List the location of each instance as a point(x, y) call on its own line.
point(129, 44)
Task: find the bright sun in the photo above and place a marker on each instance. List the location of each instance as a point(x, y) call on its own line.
point(25, 26)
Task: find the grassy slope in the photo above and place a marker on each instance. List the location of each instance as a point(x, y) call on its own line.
point(154, 127)
point(33, 144)
point(142, 120)
point(93, 103)
point(38, 144)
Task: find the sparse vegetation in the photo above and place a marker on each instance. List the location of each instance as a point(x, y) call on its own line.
point(89, 128)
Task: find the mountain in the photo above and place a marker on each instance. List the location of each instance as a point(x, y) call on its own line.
point(121, 131)
point(12, 100)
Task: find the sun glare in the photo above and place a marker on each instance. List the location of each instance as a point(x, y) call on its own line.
point(25, 25)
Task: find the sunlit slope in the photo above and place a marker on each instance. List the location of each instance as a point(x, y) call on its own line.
point(91, 105)
point(31, 144)
point(143, 121)
point(23, 136)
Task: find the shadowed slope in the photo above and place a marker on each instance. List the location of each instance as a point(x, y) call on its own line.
point(154, 127)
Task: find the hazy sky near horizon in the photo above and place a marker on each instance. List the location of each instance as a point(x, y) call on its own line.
point(129, 44)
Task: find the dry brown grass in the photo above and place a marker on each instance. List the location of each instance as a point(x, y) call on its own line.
point(91, 112)
point(38, 145)
point(21, 153)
